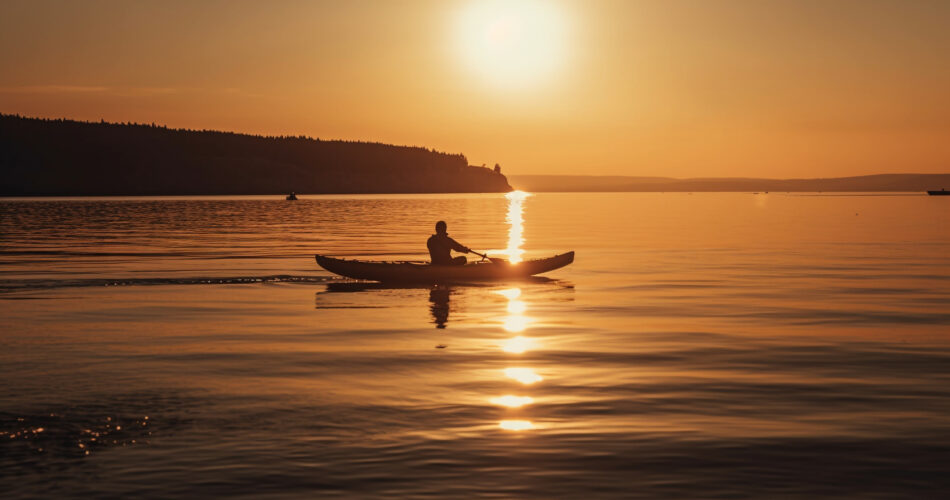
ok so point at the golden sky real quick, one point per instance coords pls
(757, 88)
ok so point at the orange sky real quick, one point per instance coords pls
(764, 88)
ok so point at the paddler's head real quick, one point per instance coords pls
(440, 227)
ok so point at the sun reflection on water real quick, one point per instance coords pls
(526, 376)
(515, 323)
(515, 219)
(512, 401)
(517, 307)
(510, 293)
(516, 425)
(517, 345)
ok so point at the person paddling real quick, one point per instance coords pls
(441, 246)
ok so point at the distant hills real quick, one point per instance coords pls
(40, 157)
(579, 183)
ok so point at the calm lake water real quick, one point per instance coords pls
(704, 345)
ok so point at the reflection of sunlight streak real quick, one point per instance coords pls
(512, 401)
(517, 345)
(516, 425)
(516, 219)
(516, 307)
(516, 321)
(526, 376)
(515, 324)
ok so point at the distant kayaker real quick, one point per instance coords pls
(441, 246)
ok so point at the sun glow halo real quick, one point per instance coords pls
(511, 43)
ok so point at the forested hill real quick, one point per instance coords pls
(40, 157)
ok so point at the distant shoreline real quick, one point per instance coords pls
(264, 196)
(908, 183)
(450, 195)
(59, 157)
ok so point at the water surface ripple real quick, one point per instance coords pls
(701, 346)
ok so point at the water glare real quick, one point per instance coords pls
(706, 347)
(517, 307)
(512, 401)
(515, 324)
(526, 376)
(515, 321)
(515, 219)
(516, 425)
(517, 345)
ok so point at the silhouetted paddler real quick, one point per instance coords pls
(441, 246)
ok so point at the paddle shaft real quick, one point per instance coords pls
(483, 256)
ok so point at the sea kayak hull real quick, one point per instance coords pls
(416, 272)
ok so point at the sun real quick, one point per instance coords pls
(511, 43)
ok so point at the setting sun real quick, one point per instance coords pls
(511, 44)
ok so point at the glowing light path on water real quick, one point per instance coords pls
(516, 321)
(526, 376)
(515, 219)
(516, 425)
(512, 401)
(517, 345)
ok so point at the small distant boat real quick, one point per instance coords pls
(292, 197)
(421, 272)
(942, 192)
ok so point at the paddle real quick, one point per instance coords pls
(483, 256)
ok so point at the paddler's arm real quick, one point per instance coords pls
(458, 247)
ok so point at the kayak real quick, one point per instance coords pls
(421, 272)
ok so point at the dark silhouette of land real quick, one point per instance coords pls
(596, 183)
(40, 157)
